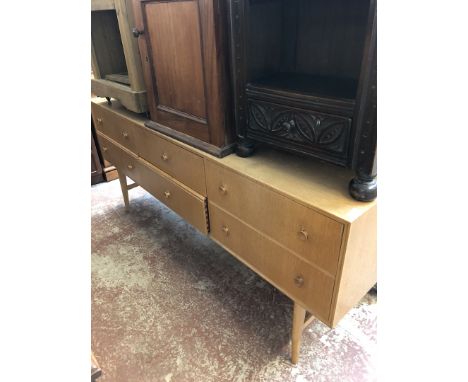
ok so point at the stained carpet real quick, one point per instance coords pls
(170, 305)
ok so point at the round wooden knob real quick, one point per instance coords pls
(125, 134)
(223, 189)
(105, 149)
(100, 120)
(299, 281)
(167, 194)
(303, 235)
(130, 167)
(164, 157)
(225, 230)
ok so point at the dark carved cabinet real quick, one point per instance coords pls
(184, 48)
(304, 80)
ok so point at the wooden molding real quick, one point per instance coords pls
(219, 152)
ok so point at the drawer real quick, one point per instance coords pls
(110, 152)
(114, 126)
(313, 236)
(308, 131)
(189, 205)
(297, 279)
(174, 160)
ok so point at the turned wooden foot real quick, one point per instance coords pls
(363, 189)
(245, 148)
(300, 322)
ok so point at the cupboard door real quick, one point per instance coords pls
(181, 47)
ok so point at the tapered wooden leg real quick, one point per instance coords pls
(298, 325)
(123, 186)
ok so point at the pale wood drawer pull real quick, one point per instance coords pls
(222, 189)
(299, 281)
(130, 167)
(303, 234)
(104, 149)
(167, 194)
(100, 121)
(164, 157)
(125, 134)
(225, 230)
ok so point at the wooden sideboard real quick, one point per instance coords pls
(290, 220)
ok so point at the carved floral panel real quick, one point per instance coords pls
(310, 128)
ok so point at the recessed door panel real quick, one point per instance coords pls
(176, 52)
(183, 46)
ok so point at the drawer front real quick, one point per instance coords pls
(190, 206)
(311, 235)
(110, 152)
(112, 125)
(299, 280)
(174, 160)
(318, 134)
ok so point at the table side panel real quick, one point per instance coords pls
(358, 265)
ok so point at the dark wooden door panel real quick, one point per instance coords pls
(176, 53)
(183, 45)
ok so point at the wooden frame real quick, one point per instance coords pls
(337, 128)
(133, 93)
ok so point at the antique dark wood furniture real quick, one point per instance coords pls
(101, 169)
(305, 79)
(183, 46)
(97, 172)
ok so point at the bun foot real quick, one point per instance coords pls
(245, 148)
(363, 190)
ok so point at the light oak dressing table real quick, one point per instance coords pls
(289, 219)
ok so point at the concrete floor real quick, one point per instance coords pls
(170, 305)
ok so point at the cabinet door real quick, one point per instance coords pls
(181, 44)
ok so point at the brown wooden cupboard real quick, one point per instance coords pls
(183, 46)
